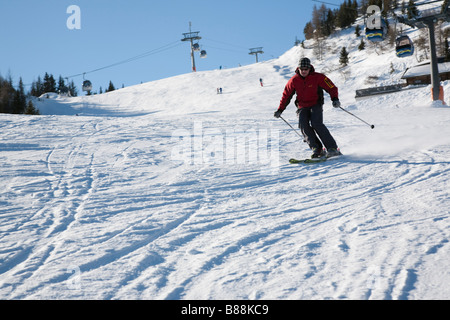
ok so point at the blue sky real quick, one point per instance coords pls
(35, 37)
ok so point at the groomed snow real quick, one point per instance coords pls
(168, 190)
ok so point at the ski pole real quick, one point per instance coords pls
(291, 127)
(370, 125)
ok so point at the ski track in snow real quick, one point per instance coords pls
(96, 206)
(108, 206)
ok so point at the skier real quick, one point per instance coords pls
(309, 86)
(261, 82)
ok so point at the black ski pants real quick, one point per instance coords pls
(316, 134)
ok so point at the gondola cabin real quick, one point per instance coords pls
(203, 54)
(404, 47)
(377, 34)
(87, 85)
(196, 47)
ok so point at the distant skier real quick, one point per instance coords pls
(309, 86)
(261, 82)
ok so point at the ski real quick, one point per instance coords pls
(314, 160)
(309, 160)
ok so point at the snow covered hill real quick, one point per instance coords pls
(168, 190)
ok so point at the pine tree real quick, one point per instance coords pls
(362, 45)
(378, 3)
(354, 10)
(20, 99)
(330, 22)
(358, 31)
(49, 83)
(403, 7)
(30, 109)
(343, 59)
(37, 87)
(62, 88)
(73, 92)
(110, 87)
(308, 31)
(12, 100)
(6, 95)
(52, 84)
(446, 50)
(46, 83)
(346, 15)
(412, 10)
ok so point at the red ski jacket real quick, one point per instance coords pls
(309, 89)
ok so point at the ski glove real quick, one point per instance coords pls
(277, 113)
(336, 103)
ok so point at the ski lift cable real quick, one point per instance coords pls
(228, 44)
(232, 45)
(407, 7)
(333, 4)
(226, 49)
(140, 56)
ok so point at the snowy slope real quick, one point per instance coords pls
(167, 190)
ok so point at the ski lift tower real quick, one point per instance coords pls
(255, 51)
(191, 36)
(427, 19)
